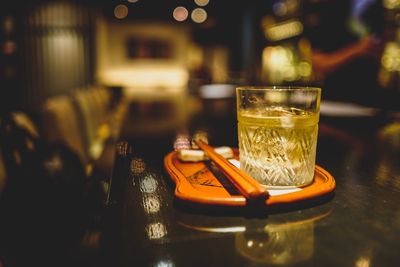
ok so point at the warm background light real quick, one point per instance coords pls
(283, 30)
(180, 13)
(201, 2)
(391, 4)
(199, 15)
(121, 11)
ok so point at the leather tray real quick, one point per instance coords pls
(202, 183)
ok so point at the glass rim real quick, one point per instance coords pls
(278, 88)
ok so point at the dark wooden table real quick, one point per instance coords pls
(358, 226)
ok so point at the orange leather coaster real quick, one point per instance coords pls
(195, 182)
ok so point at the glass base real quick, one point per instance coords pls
(282, 187)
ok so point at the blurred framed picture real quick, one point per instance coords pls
(148, 48)
(141, 55)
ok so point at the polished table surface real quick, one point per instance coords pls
(358, 225)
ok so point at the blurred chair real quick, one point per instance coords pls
(24, 121)
(88, 122)
(61, 124)
(18, 133)
(45, 183)
(90, 119)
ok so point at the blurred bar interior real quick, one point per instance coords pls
(154, 49)
(161, 53)
(73, 71)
